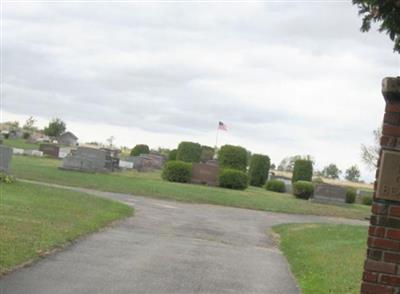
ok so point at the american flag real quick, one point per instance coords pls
(222, 126)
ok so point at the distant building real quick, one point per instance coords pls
(68, 139)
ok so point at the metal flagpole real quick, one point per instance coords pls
(216, 143)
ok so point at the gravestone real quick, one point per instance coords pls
(18, 151)
(50, 150)
(31, 152)
(329, 193)
(204, 173)
(125, 164)
(5, 158)
(90, 160)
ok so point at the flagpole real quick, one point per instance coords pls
(216, 143)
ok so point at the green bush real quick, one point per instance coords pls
(26, 135)
(318, 180)
(233, 157)
(367, 200)
(172, 154)
(302, 170)
(303, 189)
(6, 178)
(350, 195)
(140, 149)
(259, 169)
(207, 153)
(233, 179)
(189, 152)
(276, 186)
(177, 171)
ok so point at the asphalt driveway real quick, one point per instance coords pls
(169, 247)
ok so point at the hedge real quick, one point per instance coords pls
(366, 200)
(233, 179)
(259, 169)
(140, 149)
(303, 189)
(233, 157)
(207, 153)
(302, 170)
(189, 152)
(350, 195)
(172, 154)
(275, 186)
(177, 171)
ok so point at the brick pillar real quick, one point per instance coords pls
(382, 264)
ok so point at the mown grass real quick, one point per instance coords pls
(20, 143)
(150, 184)
(35, 219)
(325, 258)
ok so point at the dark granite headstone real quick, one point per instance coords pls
(329, 193)
(5, 158)
(50, 149)
(203, 173)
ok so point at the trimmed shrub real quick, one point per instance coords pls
(302, 170)
(350, 195)
(207, 153)
(172, 154)
(6, 178)
(177, 171)
(275, 186)
(303, 189)
(189, 152)
(26, 135)
(367, 200)
(259, 169)
(140, 149)
(233, 157)
(233, 179)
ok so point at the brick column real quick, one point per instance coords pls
(382, 264)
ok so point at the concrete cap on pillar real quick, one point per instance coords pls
(391, 89)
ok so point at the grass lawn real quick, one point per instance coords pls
(325, 258)
(20, 143)
(150, 184)
(35, 219)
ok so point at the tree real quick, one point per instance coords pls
(331, 171)
(385, 12)
(55, 128)
(110, 141)
(140, 149)
(287, 163)
(370, 154)
(29, 125)
(353, 174)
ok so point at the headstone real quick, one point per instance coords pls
(18, 151)
(64, 151)
(31, 152)
(5, 158)
(204, 173)
(90, 160)
(329, 193)
(125, 164)
(50, 150)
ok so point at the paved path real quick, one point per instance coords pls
(168, 247)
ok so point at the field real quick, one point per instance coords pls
(35, 219)
(325, 258)
(150, 184)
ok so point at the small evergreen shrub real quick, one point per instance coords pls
(172, 154)
(26, 135)
(177, 171)
(367, 200)
(350, 195)
(189, 152)
(140, 149)
(303, 189)
(275, 186)
(233, 157)
(233, 179)
(259, 169)
(302, 170)
(207, 153)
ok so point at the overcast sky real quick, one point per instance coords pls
(287, 78)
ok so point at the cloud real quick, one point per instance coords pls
(286, 78)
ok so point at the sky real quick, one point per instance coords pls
(286, 77)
